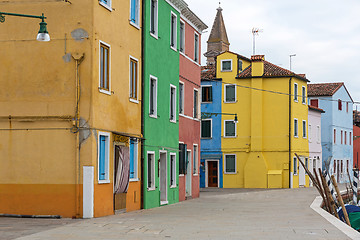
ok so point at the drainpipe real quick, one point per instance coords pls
(78, 60)
(290, 132)
(142, 107)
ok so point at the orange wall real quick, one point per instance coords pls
(38, 199)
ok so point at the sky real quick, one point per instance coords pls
(324, 35)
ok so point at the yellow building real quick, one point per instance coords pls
(70, 108)
(258, 150)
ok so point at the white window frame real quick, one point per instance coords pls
(137, 22)
(183, 40)
(296, 97)
(197, 104)
(173, 170)
(196, 53)
(205, 86)
(173, 120)
(152, 187)
(232, 154)
(175, 31)
(136, 161)
(296, 126)
(137, 80)
(195, 159)
(108, 92)
(107, 158)
(107, 6)
(231, 64)
(303, 93)
(318, 133)
(225, 93)
(207, 119)
(225, 129)
(304, 132)
(295, 167)
(156, 20)
(154, 115)
(183, 98)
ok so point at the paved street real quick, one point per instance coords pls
(218, 214)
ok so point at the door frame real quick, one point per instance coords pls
(188, 175)
(114, 169)
(207, 168)
(302, 175)
(166, 176)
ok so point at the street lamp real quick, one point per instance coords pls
(205, 115)
(43, 34)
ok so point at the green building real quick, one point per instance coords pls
(160, 102)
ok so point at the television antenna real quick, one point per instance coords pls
(255, 32)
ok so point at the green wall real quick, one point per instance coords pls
(160, 134)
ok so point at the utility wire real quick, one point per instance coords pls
(276, 92)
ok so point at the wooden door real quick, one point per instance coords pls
(212, 174)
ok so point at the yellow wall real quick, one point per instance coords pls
(261, 144)
(39, 156)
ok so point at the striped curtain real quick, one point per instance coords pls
(122, 169)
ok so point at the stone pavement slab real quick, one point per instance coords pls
(218, 214)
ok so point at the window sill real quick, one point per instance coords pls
(295, 174)
(134, 180)
(206, 138)
(173, 48)
(296, 100)
(181, 114)
(153, 116)
(134, 24)
(226, 70)
(230, 173)
(173, 121)
(296, 136)
(133, 100)
(106, 6)
(151, 189)
(182, 53)
(103, 181)
(154, 35)
(230, 102)
(196, 174)
(230, 136)
(107, 92)
(173, 186)
(181, 175)
(207, 102)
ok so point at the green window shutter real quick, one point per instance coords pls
(182, 158)
(230, 93)
(210, 94)
(229, 128)
(205, 128)
(230, 163)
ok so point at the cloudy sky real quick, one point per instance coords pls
(324, 35)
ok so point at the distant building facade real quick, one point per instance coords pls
(337, 126)
(314, 132)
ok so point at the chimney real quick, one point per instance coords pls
(257, 65)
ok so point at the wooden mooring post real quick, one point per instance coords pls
(340, 200)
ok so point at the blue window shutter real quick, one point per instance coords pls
(132, 155)
(102, 158)
(133, 11)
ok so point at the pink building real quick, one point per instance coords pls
(191, 28)
(314, 132)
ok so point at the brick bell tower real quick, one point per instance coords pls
(218, 41)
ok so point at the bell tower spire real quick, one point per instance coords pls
(218, 41)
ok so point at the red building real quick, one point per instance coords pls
(191, 28)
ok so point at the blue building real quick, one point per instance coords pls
(211, 165)
(336, 127)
